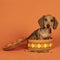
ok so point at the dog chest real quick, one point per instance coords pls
(44, 33)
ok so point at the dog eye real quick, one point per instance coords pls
(52, 20)
(45, 19)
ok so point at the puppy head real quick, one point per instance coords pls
(48, 21)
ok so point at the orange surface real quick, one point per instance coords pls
(26, 55)
(18, 19)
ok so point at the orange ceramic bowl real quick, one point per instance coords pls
(40, 45)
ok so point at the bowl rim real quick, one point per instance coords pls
(41, 41)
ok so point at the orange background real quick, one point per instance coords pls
(18, 19)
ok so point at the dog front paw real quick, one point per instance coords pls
(50, 37)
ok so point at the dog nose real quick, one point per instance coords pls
(48, 25)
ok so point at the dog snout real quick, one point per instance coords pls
(48, 25)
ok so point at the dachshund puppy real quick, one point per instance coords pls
(46, 23)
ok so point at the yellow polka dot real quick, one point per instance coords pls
(32, 45)
(50, 45)
(39, 45)
(45, 45)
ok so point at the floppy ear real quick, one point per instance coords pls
(41, 22)
(55, 23)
